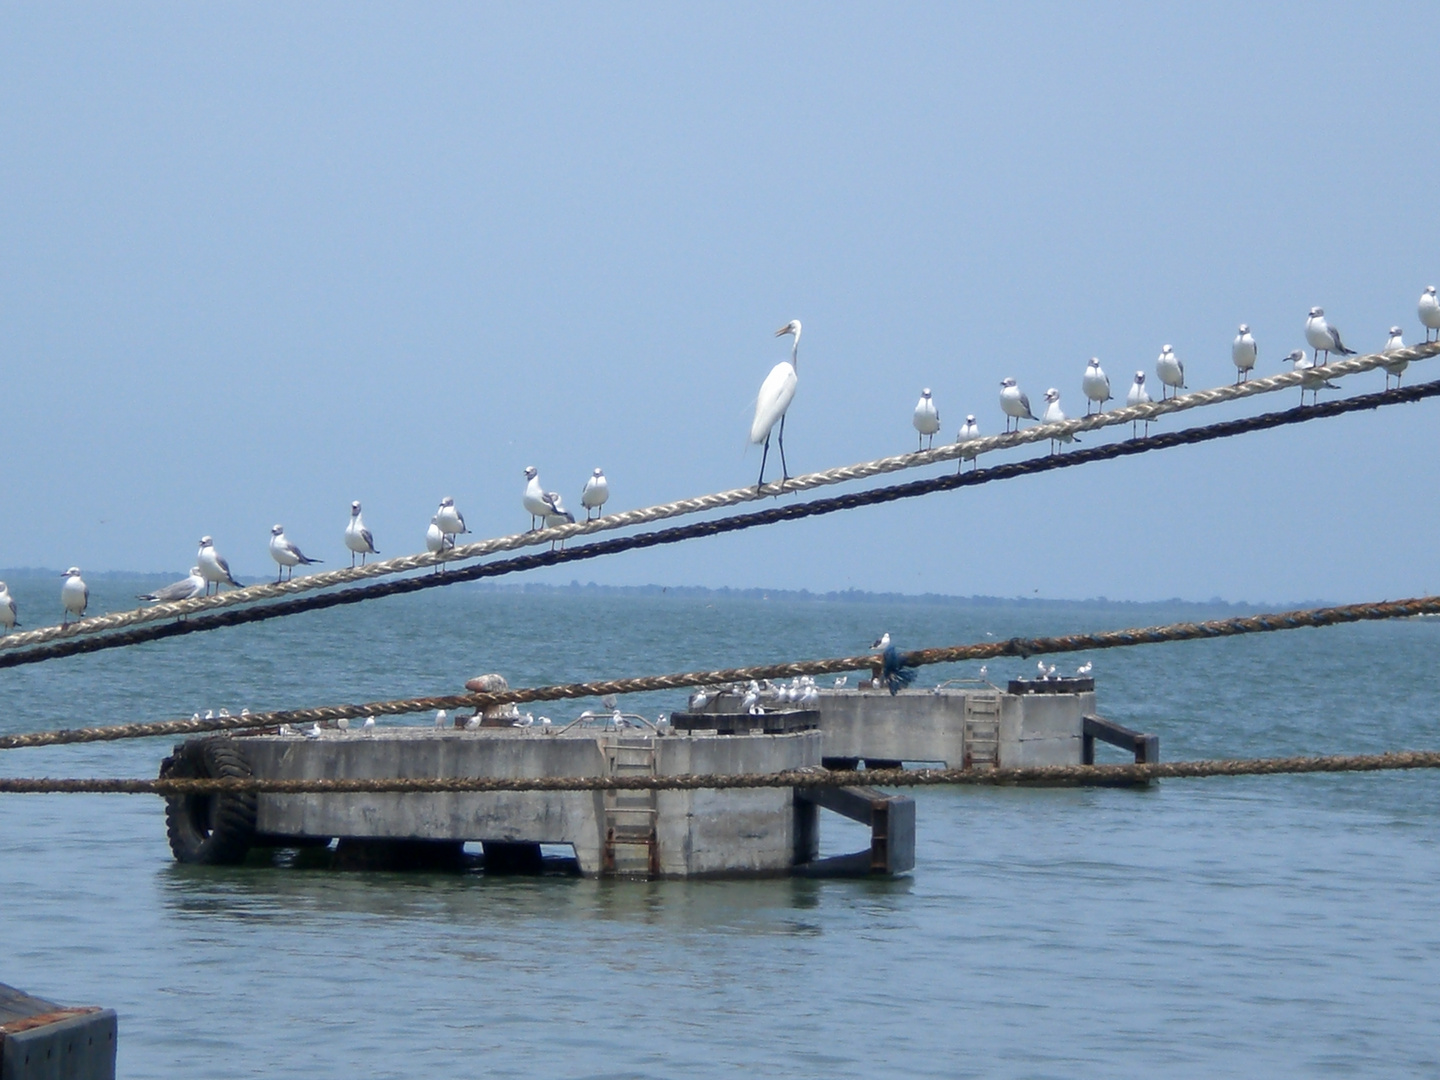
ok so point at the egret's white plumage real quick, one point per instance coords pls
(213, 567)
(1429, 311)
(1243, 353)
(286, 553)
(1096, 385)
(450, 520)
(184, 589)
(597, 491)
(776, 393)
(8, 610)
(1014, 403)
(357, 536)
(1170, 370)
(926, 418)
(1323, 337)
(74, 594)
(1397, 368)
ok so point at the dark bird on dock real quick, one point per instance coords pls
(894, 676)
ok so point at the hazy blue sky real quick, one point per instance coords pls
(262, 260)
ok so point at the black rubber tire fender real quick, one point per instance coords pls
(212, 830)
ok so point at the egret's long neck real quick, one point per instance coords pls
(795, 351)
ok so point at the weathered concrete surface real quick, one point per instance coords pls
(695, 832)
(925, 725)
(40, 1040)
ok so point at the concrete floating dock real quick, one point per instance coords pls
(40, 1040)
(660, 833)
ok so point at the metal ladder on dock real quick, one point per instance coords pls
(982, 729)
(630, 848)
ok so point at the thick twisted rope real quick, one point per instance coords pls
(719, 500)
(796, 778)
(716, 527)
(987, 650)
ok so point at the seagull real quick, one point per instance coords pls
(1323, 337)
(213, 567)
(285, 553)
(369, 724)
(1430, 312)
(1242, 352)
(751, 701)
(699, 700)
(1096, 385)
(441, 717)
(343, 724)
(358, 538)
(472, 722)
(1394, 367)
(534, 497)
(7, 609)
(1170, 370)
(968, 430)
(1040, 664)
(185, 589)
(985, 672)
(894, 675)
(1014, 403)
(771, 404)
(1085, 668)
(436, 541)
(840, 681)
(556, 515)
(1308, 379)
(1138, 396)
(314, 732)
(1055, 415)
(209, 714)
(926, 419)
(597, 490)
(449, 519)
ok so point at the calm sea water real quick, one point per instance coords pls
(1280, 927)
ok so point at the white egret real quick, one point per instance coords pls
(74, 594)
(1170, 370)
(926, 419)
(597, 491)
(1096, 385)
(1014, 403)
(1243, 352)
(358, 538)
(776, 393)
(213, 567)
(286, 554)
(1323, 337)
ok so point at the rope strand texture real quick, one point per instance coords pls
(799, 778)
(987, 650)
(716, 527)
(720, 500)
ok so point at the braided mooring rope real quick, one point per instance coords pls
(716, 527)
(987, 650)
(719, 500)
(798, 778)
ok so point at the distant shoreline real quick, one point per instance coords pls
(845, 596)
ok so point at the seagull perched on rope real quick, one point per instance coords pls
(358, 538)
(74, 594)
(534, 497)
(1171, 371)
(286, 554)
(968, 430)
(1323, 337)
(773, 401)
(1055, 415)
(185, 589)
(213, 567)
(1138, 395)
(556, 515)
(449, 519)
(436, 542)
(1096, 385)
(1014, 403)
(8, 610)
(926, 419)
(597, 491)
(1309, 380)
(1243, 353)
(894, 675)
(1429, 311)
(1394, 367)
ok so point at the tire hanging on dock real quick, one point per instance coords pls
(213, 830)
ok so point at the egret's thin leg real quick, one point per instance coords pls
(763, 455)
(784, 469)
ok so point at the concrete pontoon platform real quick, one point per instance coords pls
(661, 833)
(40, 1040)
